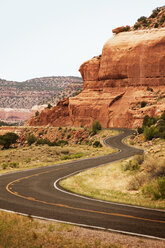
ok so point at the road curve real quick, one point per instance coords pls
(37, 193)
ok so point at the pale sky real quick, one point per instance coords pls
(54, 37)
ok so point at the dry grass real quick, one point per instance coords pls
(43, 155)
(120, 182)
(22, 232)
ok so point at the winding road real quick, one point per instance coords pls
(37, 193)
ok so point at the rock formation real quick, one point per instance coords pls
(131, 70)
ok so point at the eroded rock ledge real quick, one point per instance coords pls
(130, 70)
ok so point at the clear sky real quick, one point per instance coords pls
(54, 37)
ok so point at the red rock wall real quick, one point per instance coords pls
(115, 83)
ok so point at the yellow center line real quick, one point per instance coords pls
(8, 188)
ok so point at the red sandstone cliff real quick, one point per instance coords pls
(130, 70)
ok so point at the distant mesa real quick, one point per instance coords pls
(23, 99)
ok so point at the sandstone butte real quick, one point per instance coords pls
(130, 70)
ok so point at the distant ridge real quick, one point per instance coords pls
(26, 94)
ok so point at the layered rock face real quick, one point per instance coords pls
(130, 70)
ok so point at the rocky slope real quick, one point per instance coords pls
(120, 87)
(20, 100)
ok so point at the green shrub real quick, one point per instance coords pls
(131, 165)
(68, 136)
(96, 126)
(142, 19)
(140, 130)
(31, 139)
(49, 106)
(139, 159)
(149, 121)
(156, 25)
(4, 166)
(27, 160)
(143, 104)
(37, 113)
(14, 165)
(8, 139)
(72, 156)
(151, 132)
(97, 144)
(126, 28)
(155, 12)
(149, 89)
(155, 189)
(136, 26)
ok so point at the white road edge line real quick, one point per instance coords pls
(78, 224)
(84, 225)
(98, 200)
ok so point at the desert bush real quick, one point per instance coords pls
(156, 25)
(37, 113)
(49, 106)
(27, 160)
(97, 144)
(155, 189)
(150, 129)
(4, 166)
(155, 12)
(43, 141)
(96, 126)
(126, 28)
(131, 165)
(151, 132)
(140, 130)
(31, 139)
(11, 165)
(143, 104)
(154, 168)
(150, 165)
(149, 89)
(149, 121)
(136, 26)
(14, 165)
(8, 139)
(142, 19)
(68, 136)
(72, 156)
(139, 159)
(136, 182)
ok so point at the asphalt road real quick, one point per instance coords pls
(37, 193)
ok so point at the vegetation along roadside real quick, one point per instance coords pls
(139, 180)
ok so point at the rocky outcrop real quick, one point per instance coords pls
(130, 70)
(55, 116)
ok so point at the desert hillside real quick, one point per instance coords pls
(20, 100)
(37, 91)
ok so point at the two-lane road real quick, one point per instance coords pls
(37, 193)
